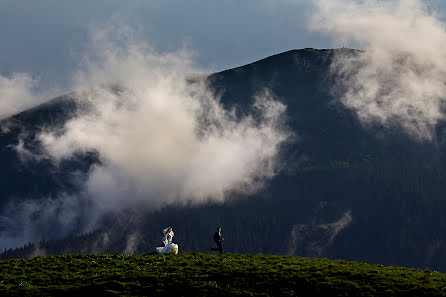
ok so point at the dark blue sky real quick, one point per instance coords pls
(46, 37)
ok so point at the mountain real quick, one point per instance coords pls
(346, 190)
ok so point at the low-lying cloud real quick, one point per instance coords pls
(163, 138)
(160, 132)
(312, 240)
(30, 220)
(399, 80)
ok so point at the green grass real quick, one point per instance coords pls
(210, 275)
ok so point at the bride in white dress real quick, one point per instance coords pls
(169, 246)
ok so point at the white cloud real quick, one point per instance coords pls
(400, 78)
(16, 94)
(162, 136)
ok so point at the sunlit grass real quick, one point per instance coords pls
(210, 275)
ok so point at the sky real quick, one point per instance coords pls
(46, 38)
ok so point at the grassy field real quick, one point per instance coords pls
(210, 275)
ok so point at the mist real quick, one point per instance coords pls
(44, 218)
(398, 81)
(18, 92)
(312, 240)
(162, 137)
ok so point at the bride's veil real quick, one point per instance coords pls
(165, 231)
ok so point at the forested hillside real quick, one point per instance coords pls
(345, 190)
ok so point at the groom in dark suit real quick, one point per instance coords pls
(218, 239)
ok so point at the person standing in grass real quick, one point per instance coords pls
(218, 239)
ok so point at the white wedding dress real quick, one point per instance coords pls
(169, 246)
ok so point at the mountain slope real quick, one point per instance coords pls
(346, 190)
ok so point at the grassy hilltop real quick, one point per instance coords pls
(210, 275)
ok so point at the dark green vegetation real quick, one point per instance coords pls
(211, 275)
(392, 186)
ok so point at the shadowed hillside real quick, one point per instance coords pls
(364, 193)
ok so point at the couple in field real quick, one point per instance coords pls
(172, 248)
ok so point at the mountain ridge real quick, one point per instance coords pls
(390, 184)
